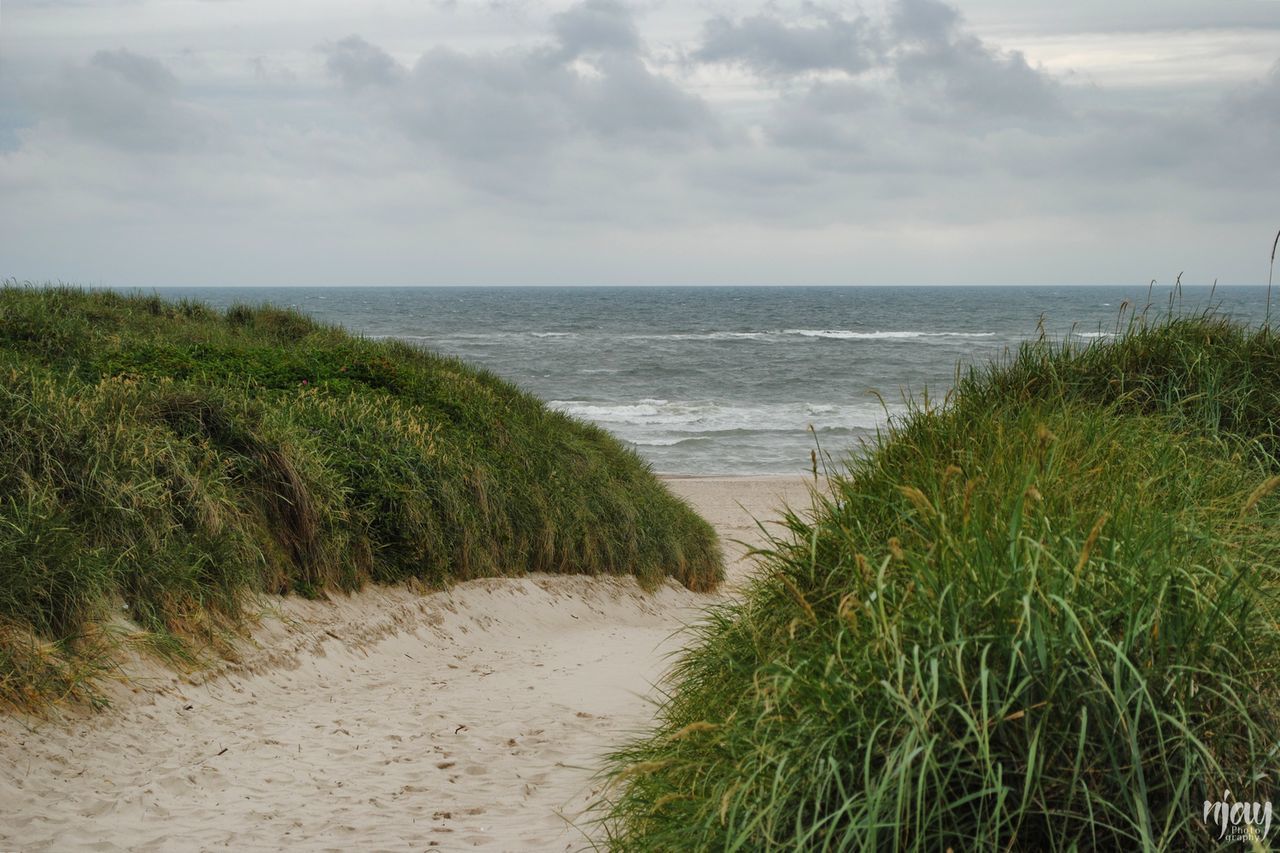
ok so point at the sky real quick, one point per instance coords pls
(467, 142)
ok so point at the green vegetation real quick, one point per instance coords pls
(1041, 616)
(160, 460)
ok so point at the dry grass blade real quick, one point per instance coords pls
(1089, 542)
(1265, 488)
(1270, 273)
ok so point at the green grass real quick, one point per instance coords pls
(1041, 616)
(161, 460)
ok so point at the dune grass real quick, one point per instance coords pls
(1041, 616)
(159, 460)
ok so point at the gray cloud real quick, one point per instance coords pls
(269, 72)
(142, 72)
(483, 107)
(1259, 103)
(769, 45)
(790, 143)
(521, 104)
(126, 101)
(949, 72)
(835, 116)
(358, 64)
(603, 26)
(942, 116)
(928, 21)
(942, 71)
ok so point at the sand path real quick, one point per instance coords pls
(471, 719)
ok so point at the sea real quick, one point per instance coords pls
(735, 380)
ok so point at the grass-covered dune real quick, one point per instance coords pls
(1041, 616)
(160, 460)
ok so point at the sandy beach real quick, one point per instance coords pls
(468, 719)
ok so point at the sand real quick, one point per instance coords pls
(469, 719)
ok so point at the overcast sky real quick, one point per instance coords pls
(158, 142)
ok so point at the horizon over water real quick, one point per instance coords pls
(728, 380)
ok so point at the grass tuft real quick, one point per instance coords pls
(1035, 618)
(161, 460)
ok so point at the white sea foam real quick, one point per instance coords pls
(665, 442)
(782, 334)
(665, 422)
(716, 335)
(706, 336)
(850, 335)
(695, 336)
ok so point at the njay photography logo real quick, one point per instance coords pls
(1236, 820)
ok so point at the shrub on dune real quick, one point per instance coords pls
(1042, 616)
(163, 460)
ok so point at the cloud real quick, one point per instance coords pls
(771, 46)
(142, 72)
(942, 72)
(358, 64)
(522, 104)
(590, 81)
(269, 72)
(514, 140)
(1259, 102)
(596, 26)
(928, 21)
(483, 107)
(124, 100)
(946, 71)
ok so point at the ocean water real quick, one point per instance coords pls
(730, 380)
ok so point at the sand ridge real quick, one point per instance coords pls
(468, 719)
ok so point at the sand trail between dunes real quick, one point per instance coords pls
(470, 719)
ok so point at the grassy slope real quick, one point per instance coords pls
(166, 458)
(1042, 616)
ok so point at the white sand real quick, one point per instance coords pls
(385, 721)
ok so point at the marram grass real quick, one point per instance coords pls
(161, 460)
(1042, 616)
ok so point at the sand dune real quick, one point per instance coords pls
(469, 719)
